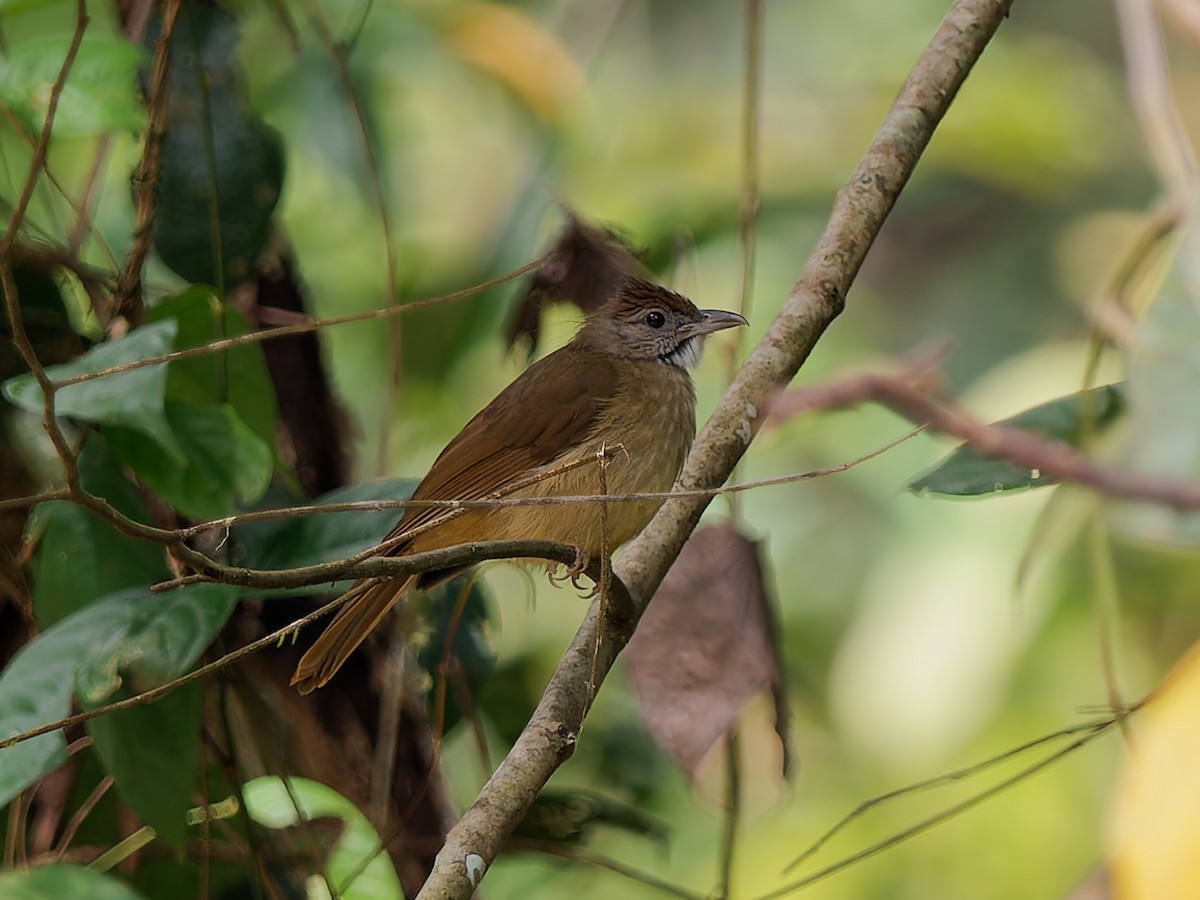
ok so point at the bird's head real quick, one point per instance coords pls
(645, 321)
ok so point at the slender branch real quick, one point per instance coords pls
(732, 815)
(751, 194)
(1094, 731)
(580, 855)
(128, 295)
(8, 281)
(817, 298)
(337, 51)
(462, 555)
(947, 778)
(305, 327)
(1054, 460)
(376, 567)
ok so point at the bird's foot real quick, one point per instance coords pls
(574, 571)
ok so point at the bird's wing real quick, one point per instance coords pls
(550, 409)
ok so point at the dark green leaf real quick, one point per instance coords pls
(463, 620)
(132, 399)
(224, 462)
(565, 816)
(62, 882)
(966, 473)
(213, 138)
(100, 93)
(315, 539)
(152, 753)
(238, 375)
(80, 557)
(155, 636)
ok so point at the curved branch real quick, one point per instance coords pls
(617, 596)
(817, 298)
(375, 566)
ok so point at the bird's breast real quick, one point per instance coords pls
(637, 445)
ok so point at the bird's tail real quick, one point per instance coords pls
(366, 603)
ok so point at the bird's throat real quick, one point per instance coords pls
(686, 355)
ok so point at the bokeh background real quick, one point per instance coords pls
(920, 635)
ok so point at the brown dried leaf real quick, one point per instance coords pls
(585, 268)
(705, 646)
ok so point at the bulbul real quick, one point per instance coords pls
(620, 387)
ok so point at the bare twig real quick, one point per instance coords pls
(337, 53)
(1090, 732)
(750, 192)
(814, 302)
(452, 557)
(81, 814)
(305, 327)
(733, 809)
(371, 566)
(1054, 460)
(579, 855)
(7, 280)
(1150, 90)
(128, 295)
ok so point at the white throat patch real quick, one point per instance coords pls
(687, 354)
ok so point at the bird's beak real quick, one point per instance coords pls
(714, 320)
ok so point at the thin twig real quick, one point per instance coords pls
(7, 280)
(77, 819)
(306, 327)
(949, 812)
(337, 54)
(733, 808)
(1054, 460)
(128, 295)
(942, 780)
(374, 562)
(455, 556)
(579, 855)
(750, 192)
(1153, 99)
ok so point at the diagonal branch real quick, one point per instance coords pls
(817, 298)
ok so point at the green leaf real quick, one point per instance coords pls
(238, 375)
(468, 629)
(133, 399)
(80, 557)
(100, 93)
(152, 752)
(965, 473)
(213, 139)
(155, 637)
(356, 866)
(1164, 381)
(223, 461)
(313, 539)
(62, 882)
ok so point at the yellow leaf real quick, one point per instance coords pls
(1154, 835)
(516, 51)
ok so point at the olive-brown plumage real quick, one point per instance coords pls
(622, 381)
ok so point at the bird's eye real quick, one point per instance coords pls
(655, 319)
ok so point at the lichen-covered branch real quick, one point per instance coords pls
(817, 298)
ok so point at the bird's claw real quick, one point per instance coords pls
(574, 570)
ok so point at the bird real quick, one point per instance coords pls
(620, 388)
